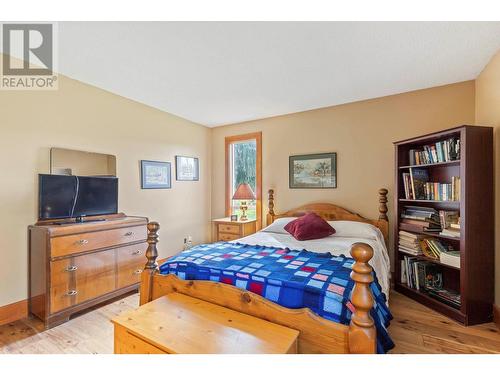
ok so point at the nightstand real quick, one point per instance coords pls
(227, 230)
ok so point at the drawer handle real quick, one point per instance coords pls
(82, 242)
(72, 293)
(137, 272)
(71, 268)
(128, 234)
(137, 252)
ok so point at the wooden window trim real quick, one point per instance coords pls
(258, 177)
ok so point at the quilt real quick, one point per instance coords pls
(290, 278)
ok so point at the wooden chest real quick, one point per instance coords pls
(78, 265)
(179, 324)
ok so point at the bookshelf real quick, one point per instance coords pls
(474, 280)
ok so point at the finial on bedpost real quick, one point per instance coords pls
(151, 265)
(382, 208)
(152, 251)
(362, 332)
(270, 204)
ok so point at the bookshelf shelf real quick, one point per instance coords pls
(427, 259)
(431, 302)
(453, 203)
(445, 163)
(474, 280)
(431, 234)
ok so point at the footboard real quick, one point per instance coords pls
(317, 334)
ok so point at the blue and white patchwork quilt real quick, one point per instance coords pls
(290, 278)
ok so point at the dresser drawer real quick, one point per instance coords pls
(229, 228)
(228, 237)
(78, 279)
(131, 261)
(76, 243)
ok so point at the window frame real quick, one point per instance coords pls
(257, 136)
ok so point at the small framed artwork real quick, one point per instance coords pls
(156, 174)
(313, 171)
(234, 217)
(187, 168)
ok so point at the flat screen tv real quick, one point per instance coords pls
(62, 197)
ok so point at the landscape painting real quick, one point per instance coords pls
(155, 175)
(314, 171)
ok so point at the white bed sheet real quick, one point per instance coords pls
(336, 245)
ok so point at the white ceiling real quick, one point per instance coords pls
(216, 73)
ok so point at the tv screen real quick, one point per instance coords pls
(63, 197)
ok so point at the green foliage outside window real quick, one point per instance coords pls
(244, 170)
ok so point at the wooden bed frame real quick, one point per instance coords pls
(317, 334)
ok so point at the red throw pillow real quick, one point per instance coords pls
(309, 227)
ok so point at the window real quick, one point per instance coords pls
(243, 165)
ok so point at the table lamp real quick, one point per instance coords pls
(244, 192)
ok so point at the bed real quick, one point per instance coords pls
(191, 273)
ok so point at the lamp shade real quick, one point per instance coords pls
(244, 191)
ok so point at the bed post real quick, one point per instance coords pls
(270, 205)
(362, 332)
(382, 208)
(383, 220)
(151, 266)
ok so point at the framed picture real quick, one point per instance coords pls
(156, 175)
(314, 171)
(234, 217)
(187, 168)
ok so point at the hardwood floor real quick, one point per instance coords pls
(415, 329)
(87, 333)
(418, 329)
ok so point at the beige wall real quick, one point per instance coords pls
(488, 113)
(82, 117)
(361, 133)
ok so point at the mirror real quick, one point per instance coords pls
(81, 163)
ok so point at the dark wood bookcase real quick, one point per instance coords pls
(474, 280)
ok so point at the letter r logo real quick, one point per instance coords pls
(31, 43)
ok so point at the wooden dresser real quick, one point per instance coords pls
(75, 266)
(227, 230)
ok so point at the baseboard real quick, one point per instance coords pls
(496, 315)
(14, 311)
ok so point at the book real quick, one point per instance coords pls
(450, 232)
(420, 274)
(408, 243)
(446, 218)
(451, 258)
(446, 296)
(403, 272)
(438, 152)
(402, 233)
(415, 220)
(419, 177)
(407, 186)
(410, 227)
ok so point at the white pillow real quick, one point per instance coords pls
(344, 228)
(278, 225)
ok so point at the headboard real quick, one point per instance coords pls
(330, 211)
